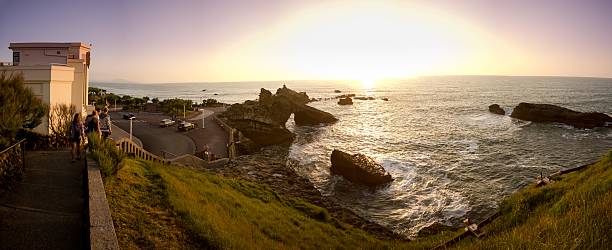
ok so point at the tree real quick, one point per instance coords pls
(175, 106)
(19, 108)
(155, 100)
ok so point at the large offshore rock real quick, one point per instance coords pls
(496, 109)
(359, 168)
(262, 122)
(553, 113)
(306, 115)
(345, 101)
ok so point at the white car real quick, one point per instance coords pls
(185, 126)
(166, 123)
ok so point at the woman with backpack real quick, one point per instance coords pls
(77, 133)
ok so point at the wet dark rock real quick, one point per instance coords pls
(385, 99)
(344, 96)
(365, 98)
(262, 122)
(496, 109)
(345, 101)
(553, 113)
(359, 168)
(337, 91)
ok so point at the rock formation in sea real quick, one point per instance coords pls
(553, 113)
(344, 96)
(365, 98)
(262, 122)
(345, 101)
(496, 109)
(359, 168)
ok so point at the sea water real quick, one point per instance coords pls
(450, 158)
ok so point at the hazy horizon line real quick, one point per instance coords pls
(351, 80)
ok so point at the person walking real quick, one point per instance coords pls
(93, 125)
(105, 124)
(77, 134)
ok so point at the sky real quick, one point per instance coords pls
(153, 41)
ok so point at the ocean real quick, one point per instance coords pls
(449, 156)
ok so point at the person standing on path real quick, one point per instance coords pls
(105, 124)
(93, 125)
(77, 133)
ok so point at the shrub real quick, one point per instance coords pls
(106, 154)
(60, 119)
(19, 108)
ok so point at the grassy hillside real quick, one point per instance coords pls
(172, 207)
(575, 212)
(169, 207)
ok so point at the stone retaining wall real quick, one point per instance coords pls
(101, 230)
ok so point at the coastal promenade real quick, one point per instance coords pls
(155, 139)
(45, 209)
(172, 142)
(209, 133)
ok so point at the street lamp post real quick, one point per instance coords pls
(183, 111)
(131, 119)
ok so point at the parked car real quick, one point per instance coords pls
(129, 116)
(185, 126)
(166, 123)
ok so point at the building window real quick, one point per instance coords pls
(16, 58)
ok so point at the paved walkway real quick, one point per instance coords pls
(155, 139)
(45, 210)
(209, 134)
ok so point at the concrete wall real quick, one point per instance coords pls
(80, 84)
(51, 83)
(42, 56)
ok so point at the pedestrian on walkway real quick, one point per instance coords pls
(77, 134)
(93, 124)
(105, 124)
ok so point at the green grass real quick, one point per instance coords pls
(160, 206)
(217, 212)
(141, 215)
(575, 212)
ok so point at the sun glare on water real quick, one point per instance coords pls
(368, 83)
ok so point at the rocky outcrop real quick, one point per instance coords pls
(344, 96)
(359, 168)
(434, 228)
(262, 122)
(496, 109)
(345, 101)
(552, 113)
(365, 98)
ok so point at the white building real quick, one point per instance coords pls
(58, 73)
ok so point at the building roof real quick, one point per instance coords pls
(49, 45)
